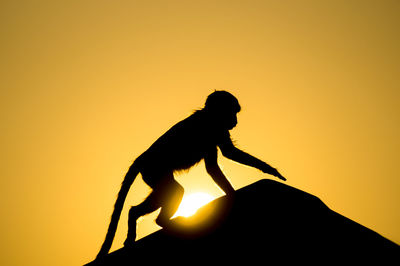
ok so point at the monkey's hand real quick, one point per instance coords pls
(266, 168)
(278, 175)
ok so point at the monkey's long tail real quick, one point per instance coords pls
(119, 204)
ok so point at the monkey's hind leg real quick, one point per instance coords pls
(132, 219)
(167, 194)
(149, 205)
(171, 199)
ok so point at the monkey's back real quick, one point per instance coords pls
(183, 145)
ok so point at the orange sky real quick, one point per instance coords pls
(86, 86)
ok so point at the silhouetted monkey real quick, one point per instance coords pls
(182, 146)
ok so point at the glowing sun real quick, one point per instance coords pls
(191, 203)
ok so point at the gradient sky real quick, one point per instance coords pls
(86, 86)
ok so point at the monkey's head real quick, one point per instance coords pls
(223, 107)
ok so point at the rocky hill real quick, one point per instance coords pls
(266, 222)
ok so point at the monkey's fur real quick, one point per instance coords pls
(182, 146)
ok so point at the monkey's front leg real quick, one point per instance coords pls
(219, 178)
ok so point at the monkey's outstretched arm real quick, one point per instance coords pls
(235, 154)
(215, 172)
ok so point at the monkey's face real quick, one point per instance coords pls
(228, 120)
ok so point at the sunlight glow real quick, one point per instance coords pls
(191, 203)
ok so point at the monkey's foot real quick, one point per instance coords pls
(130, 239)
(163, 222)
(129, 243)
